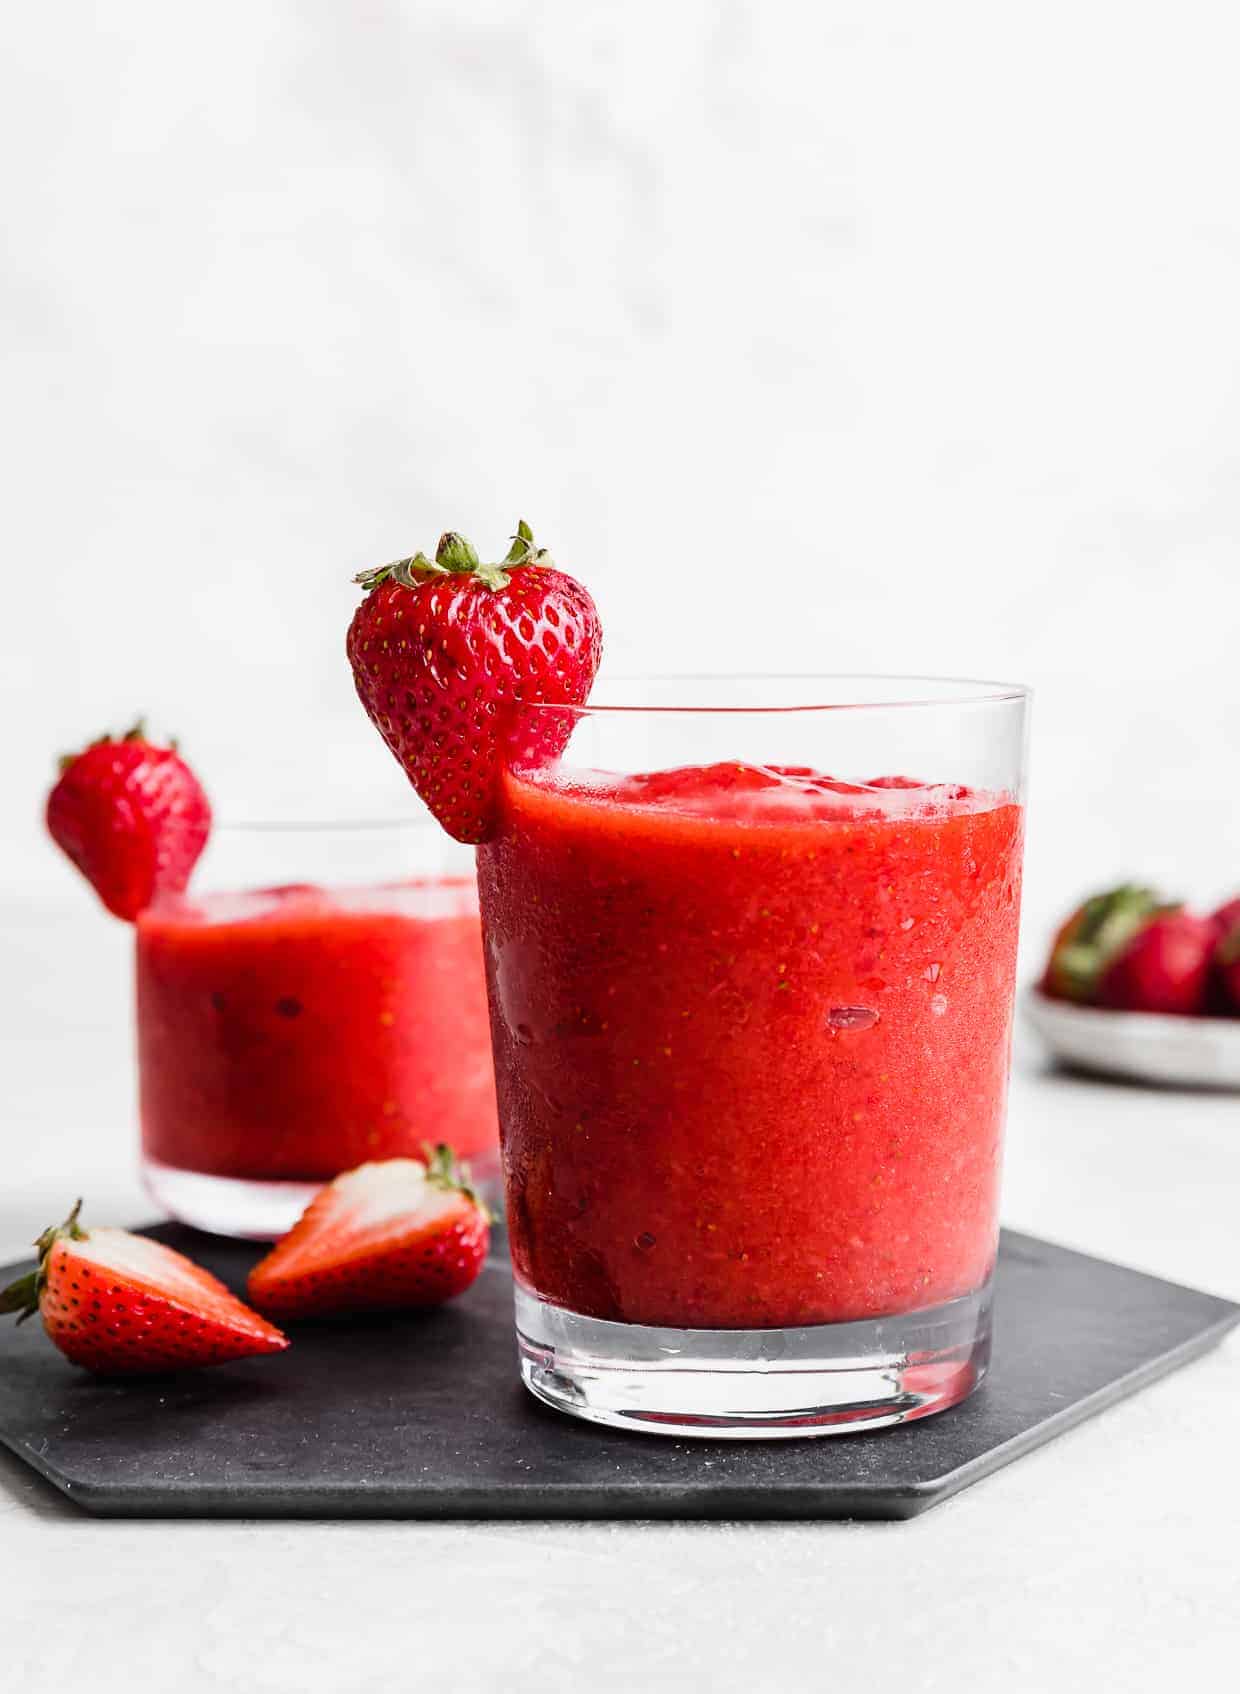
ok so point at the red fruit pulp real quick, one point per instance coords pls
(751, 1032)
(298, 1032)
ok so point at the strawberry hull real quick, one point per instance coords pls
(751, 1039)
(296, 1033)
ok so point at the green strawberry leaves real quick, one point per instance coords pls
(22, 1296)
(455, 556)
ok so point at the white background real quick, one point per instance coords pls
(823, 336)
(814, 337)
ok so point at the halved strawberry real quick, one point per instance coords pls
(123, 1305)
(133, 818)
(446, 652)
(385, 1236)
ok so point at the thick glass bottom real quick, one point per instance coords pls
(755, 1384)
(259, 1210)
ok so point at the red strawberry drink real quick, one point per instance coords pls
(751, 1028)
(751, 1037)
(287, 1033)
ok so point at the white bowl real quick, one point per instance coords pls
(1147, 1046)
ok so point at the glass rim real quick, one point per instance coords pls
(964, 691)
(906, 693)
(318, 826)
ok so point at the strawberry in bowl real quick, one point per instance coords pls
(1226, 918)
(1226, 924)
(1165, 967)
(445, 653)
(1127, 950)
(1141, 988)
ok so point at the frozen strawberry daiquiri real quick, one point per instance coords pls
(751, 1030)
(752, 1038)
(289, 1034)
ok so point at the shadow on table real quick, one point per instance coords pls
(1064, 1071)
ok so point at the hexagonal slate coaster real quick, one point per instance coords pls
(422, 1416)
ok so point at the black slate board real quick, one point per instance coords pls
(423, 1416)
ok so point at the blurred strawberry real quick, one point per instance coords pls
(1092, 937)
(1227, 961)
(1226, 918)
(1225, 987)
(1165, 967)
(133, 818)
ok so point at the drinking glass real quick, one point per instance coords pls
(314, 1002)
(750, 949)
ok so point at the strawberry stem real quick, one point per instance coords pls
(22, 1296)
(454, 553)
(444, 1170)
(136, 732)
(455, 556)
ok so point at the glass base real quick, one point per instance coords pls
(755, 1384)
(262, 1211)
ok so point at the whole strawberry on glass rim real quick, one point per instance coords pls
(123, 1305)
(133, 818)
(448, 652)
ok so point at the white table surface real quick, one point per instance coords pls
(1104, 1559)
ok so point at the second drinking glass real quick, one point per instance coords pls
(314, 1003)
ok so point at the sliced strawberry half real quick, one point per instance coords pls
(393, 1234)
(124, 1305)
